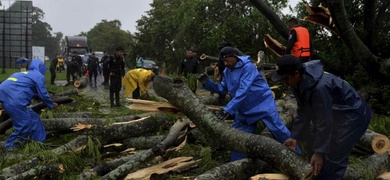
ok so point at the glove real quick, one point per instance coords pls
(222, 114)
(203, 78)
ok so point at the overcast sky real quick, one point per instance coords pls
(74, 16)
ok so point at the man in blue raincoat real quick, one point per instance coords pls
(16, 94)
(251, 97)
(331, 115)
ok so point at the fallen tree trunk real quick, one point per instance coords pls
(174, 133)
(65, 124)
(369, 168)
(68, 92)
(24, 166)
(142, 142)
(374, 142)
(109, 166)
(267, 149)
(240, 169)
(130, 165)
(41, 170)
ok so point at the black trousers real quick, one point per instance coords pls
(53, 76)
(115, 87)
(136, 94)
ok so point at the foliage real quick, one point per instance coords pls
(42, 35)
(107, 35)
(171, 27)
(381, 125)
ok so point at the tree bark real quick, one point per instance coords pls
(240, 169)
(366, 142)
(272, 17)
(68, 92)
(110, 166)
(37, 171)
(267, 149)
(374, 66)
(27, 164)
(120, 131)
(372, 166)
(174, 133)
(65, 124)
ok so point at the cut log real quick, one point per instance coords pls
(383, 176)
(24, 166)
(175, 164)
(267, 149)
(82, 83)
(240, 169)
(115, 166)
(374, 142)
(380, 144)
(270, 176)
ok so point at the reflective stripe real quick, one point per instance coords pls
(12, 79)
(138, 62)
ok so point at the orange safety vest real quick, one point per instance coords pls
(301, 48)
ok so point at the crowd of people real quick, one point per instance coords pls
(331, 115)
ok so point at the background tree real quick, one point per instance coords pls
(171, 27)
(42, 35)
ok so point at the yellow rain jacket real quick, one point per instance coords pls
(60, 60)
(136, 76)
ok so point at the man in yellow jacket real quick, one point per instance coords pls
(137, 81)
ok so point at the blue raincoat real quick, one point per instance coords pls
(16, 94)
(251, 101)
(338, 113)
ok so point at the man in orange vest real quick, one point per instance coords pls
(299, 44)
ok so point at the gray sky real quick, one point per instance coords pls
(74, 16)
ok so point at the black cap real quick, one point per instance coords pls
(285, 65)
(228, 52)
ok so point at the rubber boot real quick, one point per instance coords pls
(117, 102)
(112, 99)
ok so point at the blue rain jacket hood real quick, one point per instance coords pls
(251, 98)
(328, 102)
(21, 87)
